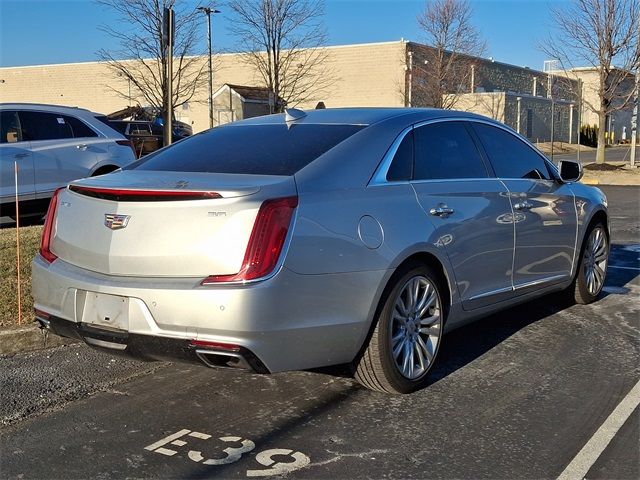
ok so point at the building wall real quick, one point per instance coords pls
(362, 75)
(489, 104)
(620, 120)
(537, 111)
(491, 76)
(534, 113)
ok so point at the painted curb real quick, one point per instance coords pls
(29, 338)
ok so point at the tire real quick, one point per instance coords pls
(592, 269)
(397, 331)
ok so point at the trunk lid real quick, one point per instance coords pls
(162, 224)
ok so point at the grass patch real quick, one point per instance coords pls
(29, 245)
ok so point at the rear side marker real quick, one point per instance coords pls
(128, 195)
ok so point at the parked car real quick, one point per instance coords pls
(52, 145)
(147, 136)
(304, 240)
(144, 137)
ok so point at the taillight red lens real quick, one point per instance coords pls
(265, 243)
(45, 244)
(127, 195)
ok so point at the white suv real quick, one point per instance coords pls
(52, 145)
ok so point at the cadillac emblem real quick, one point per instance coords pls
(115, 221)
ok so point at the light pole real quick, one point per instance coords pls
(208, 11)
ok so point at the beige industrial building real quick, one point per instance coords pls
(373, 74)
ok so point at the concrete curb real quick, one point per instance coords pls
(29, 338)
(590, 181)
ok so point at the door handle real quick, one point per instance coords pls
(441, 211)
(81, 147)
(523, 206)
(20, 155)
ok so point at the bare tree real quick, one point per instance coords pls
(602, 34)
(443, 71)
(282, 40)
(141, 58)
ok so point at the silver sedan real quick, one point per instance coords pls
(316, 238)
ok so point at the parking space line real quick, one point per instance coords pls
(584, 460)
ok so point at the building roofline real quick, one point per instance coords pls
(225, 54)
(487, 60)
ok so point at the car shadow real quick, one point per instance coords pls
(467, 343)
(462, 347)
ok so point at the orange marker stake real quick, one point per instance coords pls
(15, 172)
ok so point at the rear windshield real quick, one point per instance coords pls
(249, 149)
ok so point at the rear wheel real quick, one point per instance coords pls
(407, 336)
(592, 269)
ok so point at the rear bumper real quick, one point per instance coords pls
(147, 347)
(289, 322)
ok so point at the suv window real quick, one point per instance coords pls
(44, 126)
(78, 128)
(402, 164)
(9, 127)
(510, 156)
(273, 149)
(446, 150)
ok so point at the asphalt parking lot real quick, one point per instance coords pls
(516, 395)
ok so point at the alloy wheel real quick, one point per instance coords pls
(416, 327)
(595, 261)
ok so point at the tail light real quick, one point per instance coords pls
(45, 244)
(126, 195)
(128, 143)
(265, 243)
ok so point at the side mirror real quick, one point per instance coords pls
(570, 171)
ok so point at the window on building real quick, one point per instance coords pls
(509, 155)
(445, 150)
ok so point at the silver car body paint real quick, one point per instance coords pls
(351, 230)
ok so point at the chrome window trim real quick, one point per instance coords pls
(379, 178)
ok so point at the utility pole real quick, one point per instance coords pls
(208, 11)
(634, 117)
(169, 26)
(579, 114)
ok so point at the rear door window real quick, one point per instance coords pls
(273, 149)
(44, 126)
(445, 150)
(78, 128)
(510, 156)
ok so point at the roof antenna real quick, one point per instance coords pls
(293, 114)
